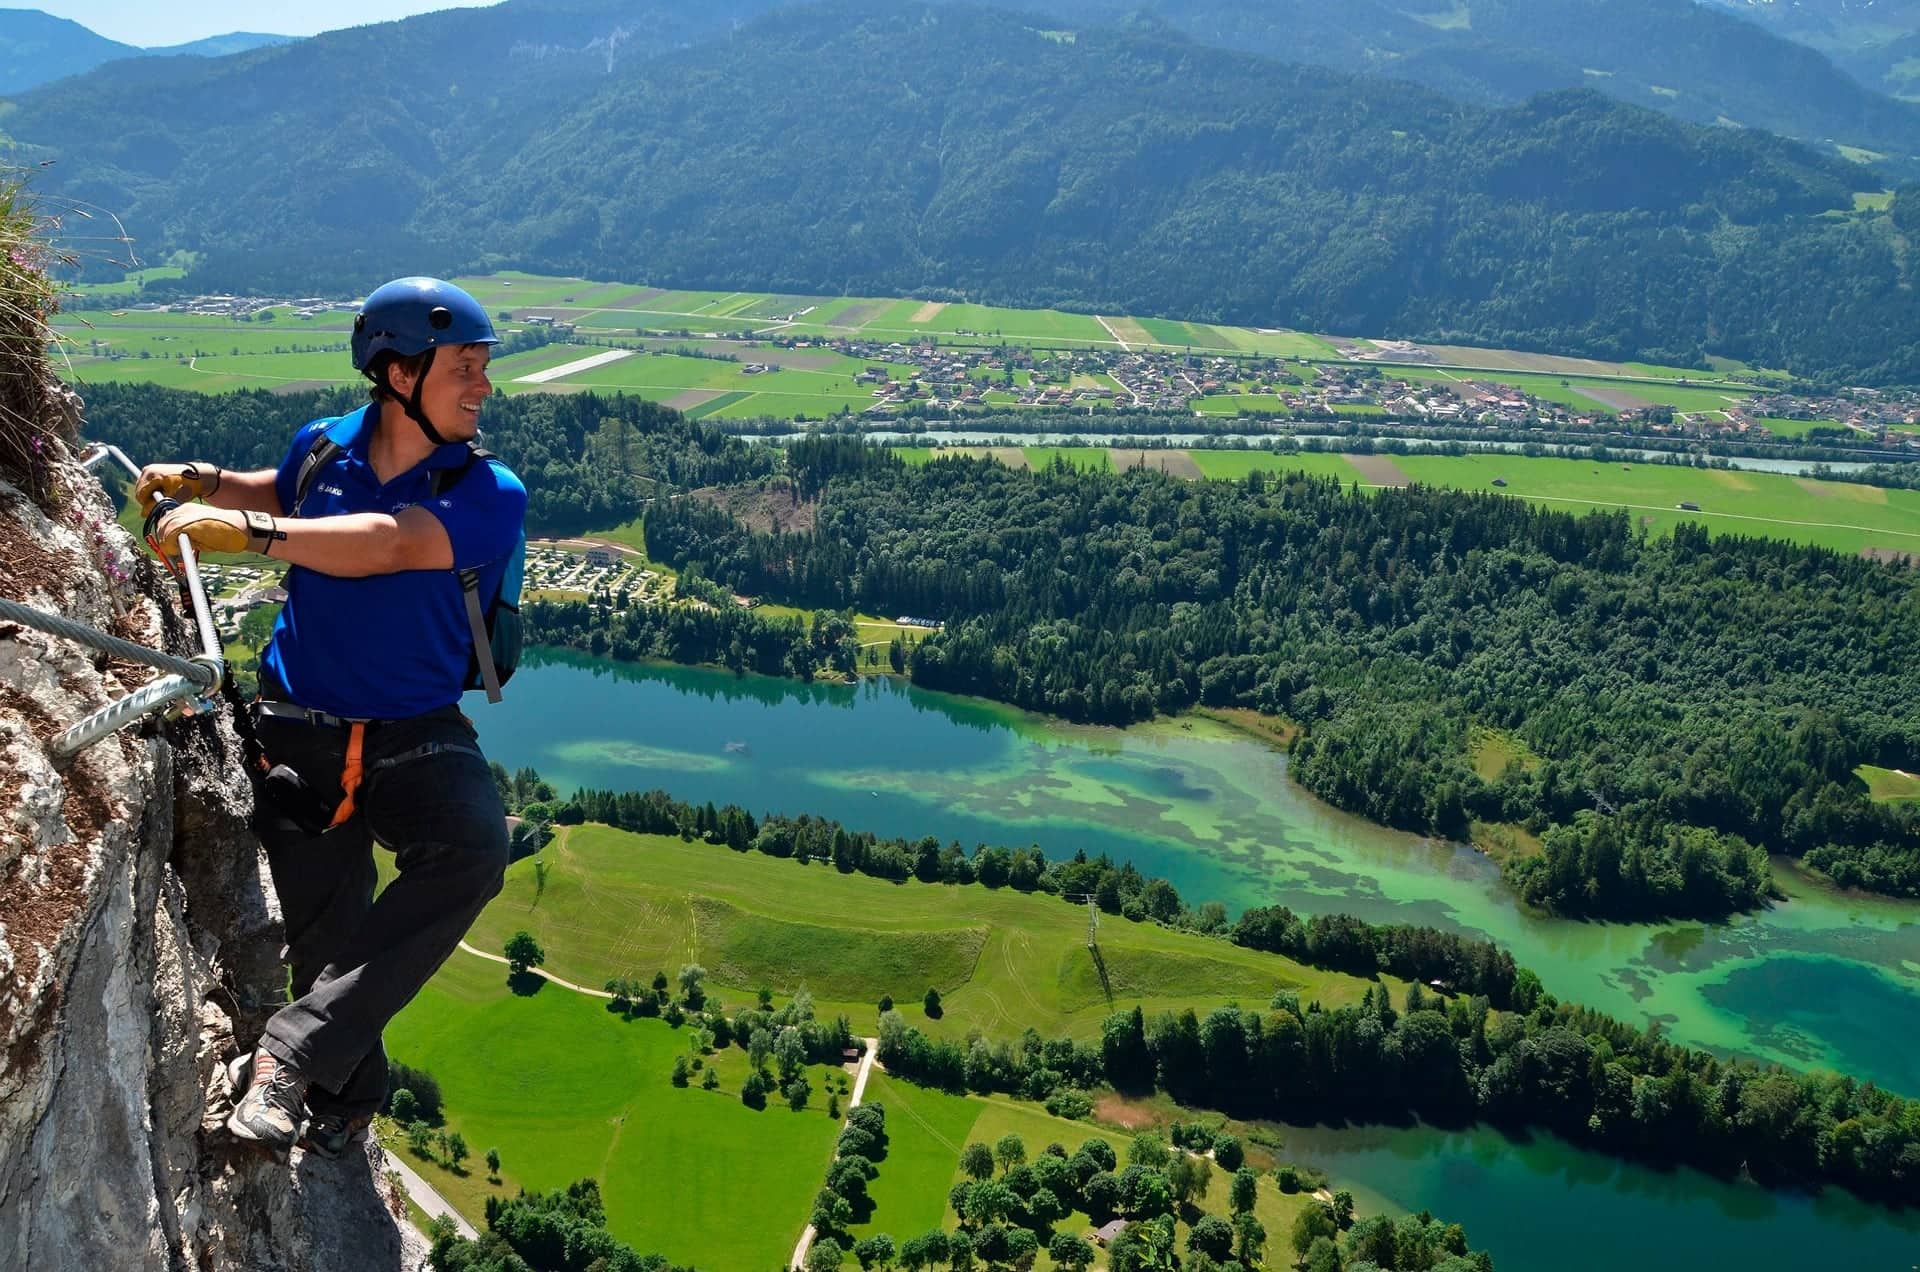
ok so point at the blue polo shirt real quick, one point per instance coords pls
(388, 646)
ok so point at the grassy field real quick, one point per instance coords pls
(1491, 750)
(567, 1090)
(1242, 404)
(1841, 515)
(620, 904)
(1845, 516)
(1889, 784)
(1792, 428)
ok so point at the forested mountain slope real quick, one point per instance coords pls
(958, 151)
(1697, 62)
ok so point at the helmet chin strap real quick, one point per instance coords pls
(411, 403)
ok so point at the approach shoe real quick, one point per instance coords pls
(270, 1101)
(329, 1134)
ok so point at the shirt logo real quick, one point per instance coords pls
(332, 490)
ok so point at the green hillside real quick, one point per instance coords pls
(618, 904)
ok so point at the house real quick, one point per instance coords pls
(600, 556)
(1104, 1235)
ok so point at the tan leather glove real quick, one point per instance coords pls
(216, 530)
(179, 482)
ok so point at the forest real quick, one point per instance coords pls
(1125, 171)
(1684, 705)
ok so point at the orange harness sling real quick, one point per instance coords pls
(350, 773)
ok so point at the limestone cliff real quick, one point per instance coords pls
(139, 938)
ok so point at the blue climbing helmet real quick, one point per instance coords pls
(411, 316)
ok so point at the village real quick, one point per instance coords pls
(962, 378)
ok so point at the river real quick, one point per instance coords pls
(1822, 979)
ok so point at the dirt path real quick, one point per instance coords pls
(853, 1101)
(1116, 335)
(540, 972)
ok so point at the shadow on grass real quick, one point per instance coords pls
(525, 984)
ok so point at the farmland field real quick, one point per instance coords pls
(287, 351)
(1602, 396)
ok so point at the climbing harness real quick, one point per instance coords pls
(189, 684)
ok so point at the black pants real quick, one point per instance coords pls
(426, 795)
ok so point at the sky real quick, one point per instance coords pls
(149, 23)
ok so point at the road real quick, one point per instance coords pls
(853, 1101)
(425, 1196)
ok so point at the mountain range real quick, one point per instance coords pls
(37, 48)
(957, 151)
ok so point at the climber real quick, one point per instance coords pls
(392, 522)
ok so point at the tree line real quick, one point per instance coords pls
(564, 1230)
(1452, 1060)
(1705, 700)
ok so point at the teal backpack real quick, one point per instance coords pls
(497, 635)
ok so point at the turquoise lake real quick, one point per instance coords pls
(1822, 979)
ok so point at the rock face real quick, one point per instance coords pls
(139, 944)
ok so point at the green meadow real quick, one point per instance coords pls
(1780, 427)
(1242, 404)
(1845, 516)
(612, 903)
(568, 1090)
(1891, 785)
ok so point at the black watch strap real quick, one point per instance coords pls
(262, 531)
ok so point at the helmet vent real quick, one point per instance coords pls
(441, 318)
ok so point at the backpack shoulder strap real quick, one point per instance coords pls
(318, 456)
(322, 448)
(444, 480)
